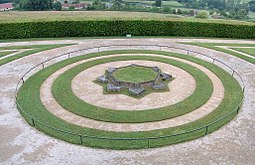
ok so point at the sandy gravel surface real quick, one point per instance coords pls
(22, 144)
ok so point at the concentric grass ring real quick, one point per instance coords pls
(29, 100)
(67, 99)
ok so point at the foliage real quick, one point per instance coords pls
(167, 10)
(224, 6)
(57, 6)
(192, 12)
(122, 27)
(158, 3)
(224, 13)
(71, 8)
(155, 9)
(97, 5)
(202, 15)
(242, 14)
(5, 1)
(36, 5)
(117, 5)
(252, 5)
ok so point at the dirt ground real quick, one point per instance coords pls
(23, 144)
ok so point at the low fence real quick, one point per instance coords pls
(102, 142)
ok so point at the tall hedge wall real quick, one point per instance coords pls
(122, 27)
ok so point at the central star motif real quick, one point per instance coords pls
(134, 80)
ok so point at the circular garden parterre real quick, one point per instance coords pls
(36, 114)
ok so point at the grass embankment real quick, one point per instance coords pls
(35, 49)
(214, 47)
(29, 99)
(64, 95)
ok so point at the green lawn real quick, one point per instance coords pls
(213, 46)
(2, 54)
(250, 51)
(135, 74)
(35, 49)
(29, 99)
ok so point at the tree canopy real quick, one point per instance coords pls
(36, 5)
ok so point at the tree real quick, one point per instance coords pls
(191, 12)
(232, 14)
(179, 11)
(116, 5)
(158, 3)
(223, 13)
(36, 5)
(217, 4)
(202, 15)
(252, 5)
(57, 6)
(98, 5)
(242, 14)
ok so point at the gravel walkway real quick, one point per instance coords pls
(23, 144)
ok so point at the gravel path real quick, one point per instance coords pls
(23, 144)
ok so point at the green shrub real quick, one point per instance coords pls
(57, 6)
(202, 15)
(122, 27)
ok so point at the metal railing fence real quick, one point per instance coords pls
(203, 130)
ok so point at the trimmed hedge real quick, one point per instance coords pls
(121, 27)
